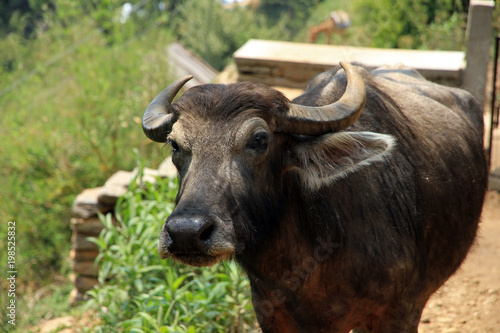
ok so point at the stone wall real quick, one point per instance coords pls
(294, 65)
(86, 223)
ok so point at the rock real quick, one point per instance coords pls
(86, 223)
(83, 255)
(80, 242)
(87, 268)
(87, 204)
(124, 178)
(84, 283)
(109, 194)
(120, 178)
(451, 330)
(91, 226)
(115, 187)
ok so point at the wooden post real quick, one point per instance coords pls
(479, 28)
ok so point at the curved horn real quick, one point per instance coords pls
(157, 120)
(312, 120)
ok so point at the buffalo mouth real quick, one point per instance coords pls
(197, 260)
(203, 258)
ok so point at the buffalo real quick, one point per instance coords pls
(347, 207)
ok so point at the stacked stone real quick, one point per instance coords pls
(86, 223)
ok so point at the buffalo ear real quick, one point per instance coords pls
(329, 157)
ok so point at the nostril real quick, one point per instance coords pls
(207, 233)
(188, 234)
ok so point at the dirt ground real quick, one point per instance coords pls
(469, 302)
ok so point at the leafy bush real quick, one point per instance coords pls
(402, 24)
(69, 120)
(141, 293)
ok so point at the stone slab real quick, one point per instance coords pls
(87, 204)
(79, 255)
(83, 283)
(293, 65)
(87, 268)
(118, 183)
(91, 226)
(109, 194)
(120, 178)
(80, 242)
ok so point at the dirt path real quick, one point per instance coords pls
(469, 302)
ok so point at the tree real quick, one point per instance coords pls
(294, 13)
(405, 24)
(25, 16)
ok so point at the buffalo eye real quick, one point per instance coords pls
(175, 146)
(258, 142)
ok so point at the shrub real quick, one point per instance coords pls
(141, 293)
(68, 125)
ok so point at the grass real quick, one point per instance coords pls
(47, 303)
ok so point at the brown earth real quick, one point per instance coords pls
(469, 302)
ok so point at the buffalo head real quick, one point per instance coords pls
(240, 148)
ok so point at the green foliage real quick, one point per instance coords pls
(422, 24)
(415, 24)
(25, 17)
(215, 33)
(47, 303)
(291, 15)
(70, 118)
(141, 293)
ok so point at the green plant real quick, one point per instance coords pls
(141, 293)
(68, 124)
(403, 24)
